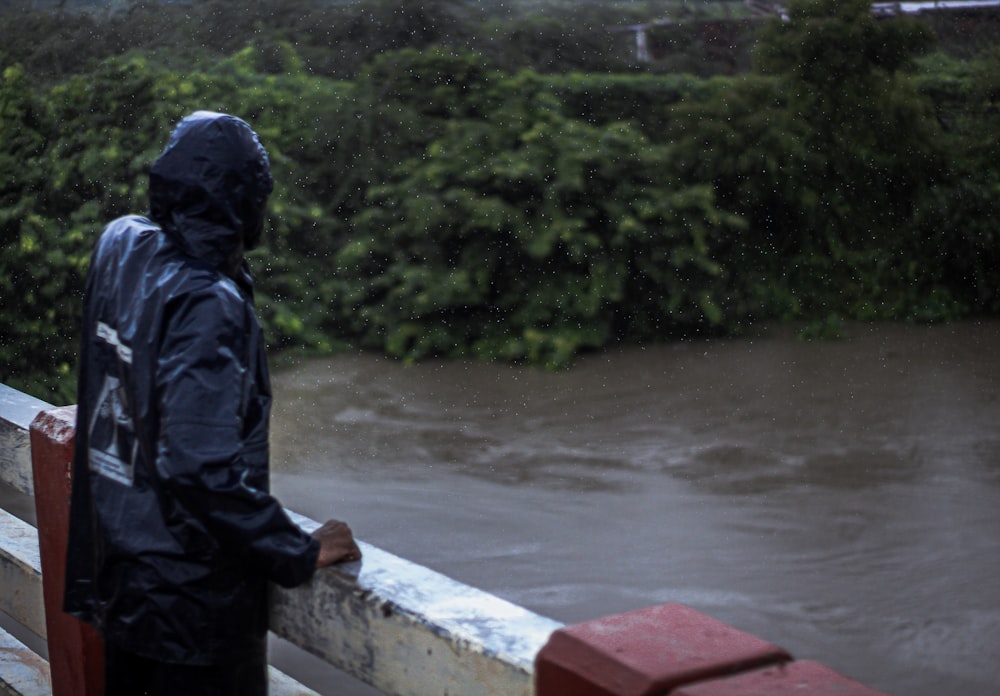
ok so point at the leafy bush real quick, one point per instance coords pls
(435, 204)
(837, 161)
(530, 236)
(958, 220)
(79, 153)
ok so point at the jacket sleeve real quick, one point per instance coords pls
(211, 465)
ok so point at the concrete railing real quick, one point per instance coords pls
(398, 626)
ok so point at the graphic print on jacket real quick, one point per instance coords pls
(111, 432)
(111, 435)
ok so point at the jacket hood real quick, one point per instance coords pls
(208, 189)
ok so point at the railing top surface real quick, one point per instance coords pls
(500, 628)
(400, 626)
(17, 409)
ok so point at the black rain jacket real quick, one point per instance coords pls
(173, 533)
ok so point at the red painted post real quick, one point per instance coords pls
(647, 652)
(76, 653)
(793, 679)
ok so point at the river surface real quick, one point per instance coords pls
(838, 498)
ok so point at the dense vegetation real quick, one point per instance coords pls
(435, 200)
(337, 39)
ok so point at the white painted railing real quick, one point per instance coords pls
(400, 627)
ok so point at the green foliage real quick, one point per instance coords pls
(641, 99)
(959, 217)
(41, 263)
(867, 155)
(80, 151)
(436, 204)
(738, 136)
(839, 44)
(338, 38)
(530, 236)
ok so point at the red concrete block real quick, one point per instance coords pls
(801, 677)
(76, 652)
(646, 652)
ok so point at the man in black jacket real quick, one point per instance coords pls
(173, 532)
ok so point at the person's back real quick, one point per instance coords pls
(173, 533)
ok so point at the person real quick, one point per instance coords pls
(173, 532)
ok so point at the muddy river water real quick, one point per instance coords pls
(838, 498)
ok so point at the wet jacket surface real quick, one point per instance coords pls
(173, 532)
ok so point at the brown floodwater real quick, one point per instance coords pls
(839, 498)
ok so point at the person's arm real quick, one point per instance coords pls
(216, 477)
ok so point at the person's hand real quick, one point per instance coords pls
(336, 544)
